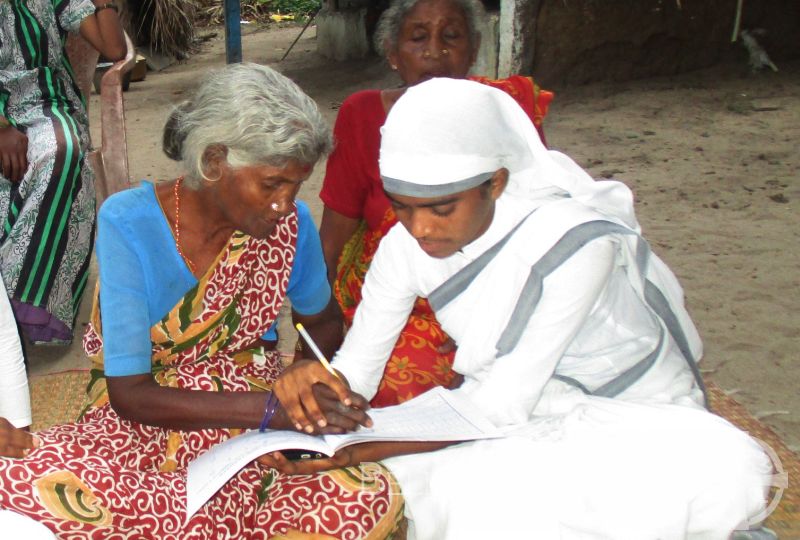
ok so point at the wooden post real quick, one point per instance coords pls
(233, 32)
(517, 31)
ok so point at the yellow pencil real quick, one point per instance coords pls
(315, 349)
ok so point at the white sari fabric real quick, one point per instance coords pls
(643, 461)
(15, 404)
(18, 526)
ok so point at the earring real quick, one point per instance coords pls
(445, 51)
(274, 206)
(394, 67)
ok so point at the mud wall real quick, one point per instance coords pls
(579, 41)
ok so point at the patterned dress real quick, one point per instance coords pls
(107, 478)
(47, 219)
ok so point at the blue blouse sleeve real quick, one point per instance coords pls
(123, 293)
(308, 287)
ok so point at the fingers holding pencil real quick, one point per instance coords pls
(310, 396)
(341, 389)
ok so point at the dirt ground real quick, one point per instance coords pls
(711, 155)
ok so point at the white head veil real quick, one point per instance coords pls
(446, 135)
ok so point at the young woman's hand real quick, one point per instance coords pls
(277, 461)
(15, 442)
(350, 456)
(13, 153)
(313, 398)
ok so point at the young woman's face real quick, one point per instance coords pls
(433, 42)
(443, 225)
(255, 198)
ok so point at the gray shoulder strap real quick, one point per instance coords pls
(531, 293)
(458, 282)
(573, 240)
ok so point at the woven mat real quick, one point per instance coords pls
(57, 398)
(785, 519)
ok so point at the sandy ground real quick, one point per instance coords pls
(711, 155)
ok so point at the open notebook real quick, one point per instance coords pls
(436, 415)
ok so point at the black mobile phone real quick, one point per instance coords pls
(296, 454)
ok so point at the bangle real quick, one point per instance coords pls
(269, 411)
(107, 5)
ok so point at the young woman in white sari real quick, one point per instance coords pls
(572, 336)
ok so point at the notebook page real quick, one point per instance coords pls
(209, 472)
(436, 415)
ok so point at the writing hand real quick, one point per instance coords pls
(15, 442)
(295, 389)
(13, 153)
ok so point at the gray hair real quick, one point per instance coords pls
(388, 29)
(259, 115)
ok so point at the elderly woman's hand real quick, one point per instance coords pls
(13, 153)
(317, 401)
(15, 442)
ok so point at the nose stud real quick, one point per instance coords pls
(274, 206)
(426, 54)
(445, 52)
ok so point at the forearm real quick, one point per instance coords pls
(335, 230)
(371, 452)
(111, 33)
(325, 328)
(140, 399)
(104, 31)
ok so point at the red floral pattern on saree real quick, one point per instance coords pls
(108, 478)
(533, 100)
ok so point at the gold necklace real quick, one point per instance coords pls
(177, 192)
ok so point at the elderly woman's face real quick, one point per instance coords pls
(433, 42)
(255, 198)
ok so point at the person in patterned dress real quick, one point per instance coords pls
(193, 273)
(47, 198)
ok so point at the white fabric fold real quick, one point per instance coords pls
(15, 403)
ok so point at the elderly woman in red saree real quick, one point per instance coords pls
(193, 272)
(420, 39)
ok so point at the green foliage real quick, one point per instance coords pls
(294, 7)
(266, 483)
(211, 11)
